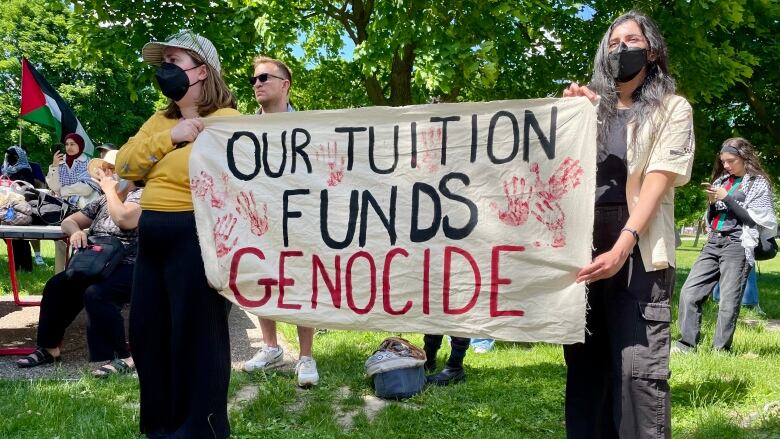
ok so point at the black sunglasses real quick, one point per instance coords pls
(263, 77)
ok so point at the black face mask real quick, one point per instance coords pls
(173, 80)
(626, 62)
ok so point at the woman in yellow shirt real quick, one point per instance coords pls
(178, 324)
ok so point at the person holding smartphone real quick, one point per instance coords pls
(740, 208)
(68, 176)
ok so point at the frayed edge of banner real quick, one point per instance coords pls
(587, 308)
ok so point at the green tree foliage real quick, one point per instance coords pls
(405, 52)
(726, 58)
(723, 53)
(43, 32)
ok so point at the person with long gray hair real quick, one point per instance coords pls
(740, 213)
(617, 381)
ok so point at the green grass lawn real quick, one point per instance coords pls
(29, 282)
(514, 391)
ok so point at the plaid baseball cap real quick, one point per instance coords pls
(184, 39)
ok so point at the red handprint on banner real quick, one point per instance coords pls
(431, 150)
(222, 231)
(203, 187)
(516, 212)
(335, 163)
(219, 195)
(543, 198)
(551, 215)
(247, 207)
(564, 179)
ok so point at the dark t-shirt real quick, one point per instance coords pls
(103, 225)
(721, 217)
(611, 169)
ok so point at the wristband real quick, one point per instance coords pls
(633, 232)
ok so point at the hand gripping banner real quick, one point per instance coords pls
(465, 219)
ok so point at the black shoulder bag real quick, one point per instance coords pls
(96, 261)
(47, 210)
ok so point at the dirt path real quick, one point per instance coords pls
(18, 327)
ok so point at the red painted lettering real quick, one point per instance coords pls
(495, 281)
(448, 251)
(372, 268)
(240, 298)
(386, 284)
(334, 290)
(286, 281)
(426, 279)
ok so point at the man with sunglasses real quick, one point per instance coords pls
(271, 83)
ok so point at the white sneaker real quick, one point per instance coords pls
(39, 260)
(306, 370)
(265, 358)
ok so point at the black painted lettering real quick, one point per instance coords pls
(231, 158)
(515, 135)
(351, 222)
(455, 232)
(287, 213)
(421, 235)
(548, 144)
(350, 142)
(474, 133)
(297, 148)
(268, 170)
(387, 220)
(371, 149)
(444, 121)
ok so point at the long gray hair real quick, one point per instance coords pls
(648, 97)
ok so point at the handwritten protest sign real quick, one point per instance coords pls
(464, 219)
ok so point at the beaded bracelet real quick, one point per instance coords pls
(633, 232)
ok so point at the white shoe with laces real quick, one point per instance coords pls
(306, 371)
(265, 358)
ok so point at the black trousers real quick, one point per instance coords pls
(63, 299)
(721, 260)
(178, 333)
(459, 345)
(617, 381)
(22, 254)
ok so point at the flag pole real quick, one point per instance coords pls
(20, 133)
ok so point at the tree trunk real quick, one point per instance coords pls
(698, 232)
(760, 110)
(401, 76)
(374, 90)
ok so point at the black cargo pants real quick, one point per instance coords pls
(616, 382)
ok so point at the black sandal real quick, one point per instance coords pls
(115, 366)
(36, 358)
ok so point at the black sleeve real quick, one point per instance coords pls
(711, 213)
(738, 211)
(23, 174)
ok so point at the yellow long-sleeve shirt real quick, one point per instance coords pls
(152, 157)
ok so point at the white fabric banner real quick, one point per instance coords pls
(465, 219)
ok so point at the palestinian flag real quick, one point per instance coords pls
(42, 105)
